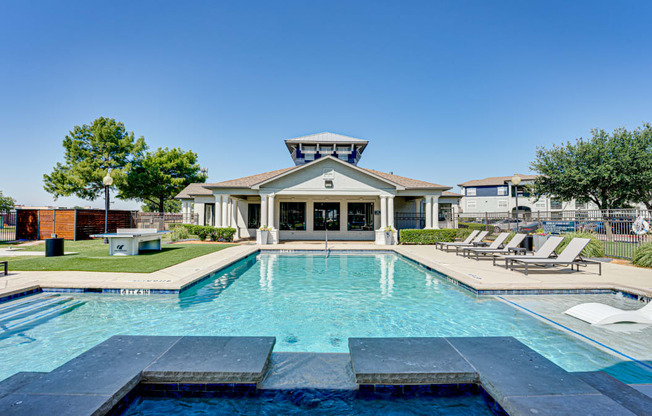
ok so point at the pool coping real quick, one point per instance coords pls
(446, 273)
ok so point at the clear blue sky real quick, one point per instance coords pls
(445, 91)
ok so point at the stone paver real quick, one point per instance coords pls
(306, 370)
(20, 404)
(213, 360)
(17, 381)
(628, 397)
(408, 361)
(575, 405)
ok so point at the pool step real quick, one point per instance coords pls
(32, 308)
(7, 306)
(41, 315)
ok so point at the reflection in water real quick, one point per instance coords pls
(267, 265)
(387, 275)
(431, 280)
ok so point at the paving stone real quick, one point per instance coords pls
(17, 381)
(408, 361)
(628, 397)
(643, 388)
(564, 405)
(509, 368)
(213, 360)
(292, 370)
(104, 369)
(39, 404)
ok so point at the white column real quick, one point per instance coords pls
(390, 211)
(263, 211)
(428, 212)
(383, 212)
(218, 210)
(270, 207)
(417, 211)
(455, 209)
(225, 211)
(435, 212)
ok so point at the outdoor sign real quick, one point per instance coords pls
(558, 227)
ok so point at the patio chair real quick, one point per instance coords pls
(496, 244)
(513, 243)
(546, 251)
(468, 241)
(601, 314)
(569, 257)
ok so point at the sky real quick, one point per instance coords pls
(445, 91)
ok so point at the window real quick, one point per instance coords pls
(470, 191)
(540, 204)
(523, 191)
(580, 205)
(254, 216)
(209, 214)
(471, 204)
(327, 215)
(555, 204)
(502, 203)
(361, 216)
(502, 190)
(293, 216)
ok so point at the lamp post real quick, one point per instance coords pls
(516, 180)
(108, 181)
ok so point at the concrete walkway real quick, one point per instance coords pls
(480, 275)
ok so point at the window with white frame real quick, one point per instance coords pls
(471, 204)
(470, 191)
(502, 203)
(502, 191)
(540, 204)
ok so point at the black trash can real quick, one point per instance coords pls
(528, 242)
(53, 247)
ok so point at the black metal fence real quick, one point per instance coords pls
(8, 226)
(614, 227)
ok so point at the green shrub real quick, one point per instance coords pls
(462, 233)
(476, 226)
(179, 232)
(222, 234)
(426, 236)
(214, 233)
(643, 256)
(595, 248)
(510, 236)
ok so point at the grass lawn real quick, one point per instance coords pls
(93, 256)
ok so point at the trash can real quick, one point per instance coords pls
(528, 242)
(53, 247)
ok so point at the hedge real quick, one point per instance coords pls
(206, 231)
(595, 248)
(643, 256)
(426, 236)
(476, 226)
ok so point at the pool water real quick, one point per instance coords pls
(308, 403)
(310, 303)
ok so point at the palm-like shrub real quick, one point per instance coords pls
(595, 248)
(643, 256)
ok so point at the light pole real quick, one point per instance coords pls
(108, 181)
(516, 180)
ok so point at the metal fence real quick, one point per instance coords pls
(614, 227)
(8, 226)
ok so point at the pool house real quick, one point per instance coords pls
(325, 191)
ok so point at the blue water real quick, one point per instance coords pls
(310, 303)
(308, 403)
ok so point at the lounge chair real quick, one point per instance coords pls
(440, 245)
(496, 244)
(601, 314)
(569, 257)
(475, 236)
(546, 251)
(513, 243)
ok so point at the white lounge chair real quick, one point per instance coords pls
(569, 257)
(495, 245)
(546, 251)
(513, 243)
(601, 314)
(477, 237)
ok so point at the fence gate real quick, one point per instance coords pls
(8, 226)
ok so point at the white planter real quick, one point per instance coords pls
(385, 238)
(538, 241)
(262, 237)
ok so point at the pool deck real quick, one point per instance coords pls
(479, 276)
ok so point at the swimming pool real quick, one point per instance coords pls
(310, 303)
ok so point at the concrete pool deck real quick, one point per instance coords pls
(480, 276)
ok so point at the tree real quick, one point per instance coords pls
(172, 205)
(598, 169)
(159, 176)
(641, 163)
(91, 152)
(7, 203)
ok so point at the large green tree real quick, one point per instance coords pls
(640, 161)
(600, 169)
(7, 203)
(159, 176)
(91, 152)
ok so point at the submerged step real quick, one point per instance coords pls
(32, 308)
(39, 316)
(17, 303)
